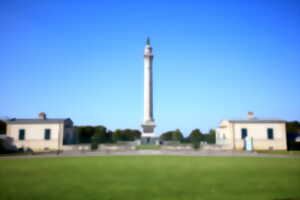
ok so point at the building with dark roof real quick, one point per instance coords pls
(41, 133)
(255, 133)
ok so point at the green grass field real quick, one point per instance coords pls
(150, 177)
(290, 153)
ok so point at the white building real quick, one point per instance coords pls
(41, 133)
(264, 134)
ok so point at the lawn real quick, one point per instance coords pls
(150, 177)
(291, 153)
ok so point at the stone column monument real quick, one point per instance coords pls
(148, 123)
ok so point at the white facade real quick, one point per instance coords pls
(40, 134)
(264, 134)
(148, 123)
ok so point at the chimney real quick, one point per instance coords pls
(42, 116)
(250, 115)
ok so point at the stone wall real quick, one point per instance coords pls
(213, 147)
(107, 147)
(176, 147)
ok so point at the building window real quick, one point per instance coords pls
(47, 134)
(270, 133)
(22, 134)
(244, 133)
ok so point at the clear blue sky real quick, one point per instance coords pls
(213, 60)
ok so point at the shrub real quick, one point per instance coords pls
(126, 135)
(196, 145)
(94, 144)
(172, 136)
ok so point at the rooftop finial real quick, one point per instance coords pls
(148, 40)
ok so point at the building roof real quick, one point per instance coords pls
(252, 119)
(257, 120)
(37, 121)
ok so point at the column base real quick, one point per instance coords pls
(150, 140)
(148, 129)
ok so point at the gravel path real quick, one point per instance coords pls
(150, 153)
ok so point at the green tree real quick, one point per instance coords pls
(195, 135)
(94, 143)
(2, 127)
(172, 136)
(98, 137)
(195, 138)
(108, 136)
(116, 136)
(127, 135)
(177, 135)
(292, 131)
(137, 134)
(84, 133)
(167, 136)
(211, 138)
(100, 134)
(293, 127)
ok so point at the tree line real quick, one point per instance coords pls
(293, 131)
(88, 134)
(195, 137)
(100, 134)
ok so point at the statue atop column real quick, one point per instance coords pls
(148, 40)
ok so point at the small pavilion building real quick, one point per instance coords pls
(41, 133)
(263, 134)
